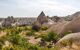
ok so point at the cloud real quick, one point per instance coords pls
(34, 7)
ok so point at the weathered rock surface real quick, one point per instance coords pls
(69, 42)
(74, 37)
(58, 27)
(62, 27)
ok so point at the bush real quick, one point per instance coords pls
(44, 28)
(51, 37)
(17, 40)
(33, 47)
(65, 33)
(30, 33)
(36, 27)
(15, 47)
(12, 31)
(23, 28)
(1, 44)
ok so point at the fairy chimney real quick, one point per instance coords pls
(42, 18)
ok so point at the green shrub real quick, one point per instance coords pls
(36, 27)
(21, 43)
(32, 32)
(65, 33)
(1, 44)
(7, 48)
(44, 28)
(33, 47)
(66, 43)
(17, 40)
(12, 31)
(23, 28)
(50, 37)
(15, 47)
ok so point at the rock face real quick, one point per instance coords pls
(55, 18)
(73, 16)
(70, 41)
(72, 26)
(58, 27)
(8, 21)
(25, 21)
(74, 37)
(49, 23)
(42, 18)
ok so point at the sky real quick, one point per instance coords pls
(32, 8)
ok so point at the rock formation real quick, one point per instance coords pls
(66, 26)
(70, 41)
(42, 18)
(8, 21)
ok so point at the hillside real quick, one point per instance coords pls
(42, 33)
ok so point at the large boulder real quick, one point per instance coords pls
(73, 16)
(73, 26)
(74, 37)
(70, 41)
(70, 26)
(57, 27)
